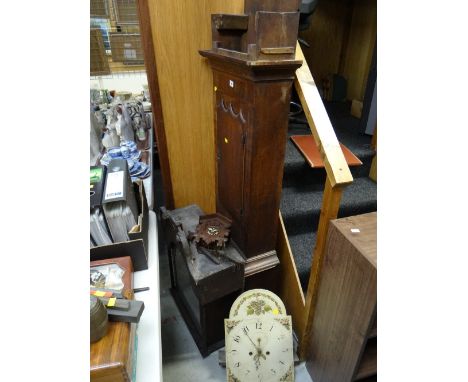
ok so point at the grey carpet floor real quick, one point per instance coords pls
(303, 186)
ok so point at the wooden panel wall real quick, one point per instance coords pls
(360, 46)
(179, 30)
(326, 36)
(342, 36)
(153, 85)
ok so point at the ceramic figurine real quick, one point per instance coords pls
(124, 123)
(111, 139)
(139, 126)
(95, 139)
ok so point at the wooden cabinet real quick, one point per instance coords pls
(343, 341)
(251, 116)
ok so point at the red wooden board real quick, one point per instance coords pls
(306, 145)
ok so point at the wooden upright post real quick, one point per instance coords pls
(330, 207)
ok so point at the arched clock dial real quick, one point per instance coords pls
(259, 349)
(257, 302)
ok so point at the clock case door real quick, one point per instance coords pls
(251, 119)
(231, 121)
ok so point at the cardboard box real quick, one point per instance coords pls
(137, 246)
(126, 48)
(99, 65)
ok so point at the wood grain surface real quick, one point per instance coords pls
(327, 33)
(338, 348)
(365, 241)
(308, 148)
(156, 107)
(290, 290)
(111, 356)
(373, 169)
(251, 114)
(179, 30)
(346, 31)
(335, 163)
(356, 108)
(360, 46)
(330, 206)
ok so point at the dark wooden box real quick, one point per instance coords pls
(204, 291)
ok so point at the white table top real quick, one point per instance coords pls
(149, 352)
(148, 182)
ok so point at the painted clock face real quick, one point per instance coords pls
(257, 302)
(259, 349)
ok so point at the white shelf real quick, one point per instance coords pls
(149, 353)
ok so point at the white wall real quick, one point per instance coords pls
(132, 82)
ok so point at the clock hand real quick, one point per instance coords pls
(255, 346)
(257, 361)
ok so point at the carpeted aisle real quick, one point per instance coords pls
(303, 186)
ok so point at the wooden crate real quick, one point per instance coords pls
(343, 343)
(126, 11)
(98, 9)
(99, 64)
(126, 48)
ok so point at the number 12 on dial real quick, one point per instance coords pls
(259, 349)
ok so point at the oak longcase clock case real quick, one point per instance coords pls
(251, 114)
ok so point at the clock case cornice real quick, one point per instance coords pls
(236, 63)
